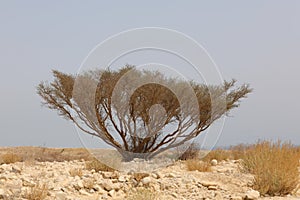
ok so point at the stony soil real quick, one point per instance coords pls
(225, 181)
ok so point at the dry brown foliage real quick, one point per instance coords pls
(274, 166)
(9, 158)
(199, 165)
(42, 154)
(76, 172)
(37, 192)
(98, 166)
(88, 101)
(219, 155)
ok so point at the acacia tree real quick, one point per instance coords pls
(139, 113)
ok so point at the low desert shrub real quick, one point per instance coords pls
(194, 164)
(76, 172)
(10, 158)
(238, 151)
(218, 154)
(143, 194)
(37, 192)
(274, 166)
(98, 166)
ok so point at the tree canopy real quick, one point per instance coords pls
(140, 113)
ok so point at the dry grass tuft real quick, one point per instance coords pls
(238, 151)
(143, 194)
(201, 166)
(274, 166)
(98, 166)
(38, 192)
(42, 154)
(218, 154)
(9, 158)
(76, 172)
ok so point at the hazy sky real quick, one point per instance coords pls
(256, 42)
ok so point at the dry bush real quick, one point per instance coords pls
(238, 151)
(192, 152)
(143, 194)
(274, 166)
(201, 166)
(37, 192)
(10, 158)
(218, 154)
(98, 166)
(76, 172)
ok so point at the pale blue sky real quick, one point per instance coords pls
(256, 42)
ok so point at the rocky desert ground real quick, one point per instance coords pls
(71, 180)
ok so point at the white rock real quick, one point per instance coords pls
(112, 193)
(104, 196)
(107, 175)
(208, 183)
(83, 192)
(122, 179)
(252, 195)
(107, 185)
(174, 195)
(154, 175)
(212, 187)
(159, 175)
(171, 175)
(116, 186)
(61, 196)
(146, 180)
(80, 184)
(213, 162)
(2, 194)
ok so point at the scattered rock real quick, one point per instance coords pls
(252, 195)
(2, 194)
(225, 182)
(174, 195)
(213, 162)
(146, 180)
(112, 193)
(171, 175)
(122, 179)
(107, 185)
(212, 187)
(16, 169)
(208, 183)
(80, 184)
(61, 196)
